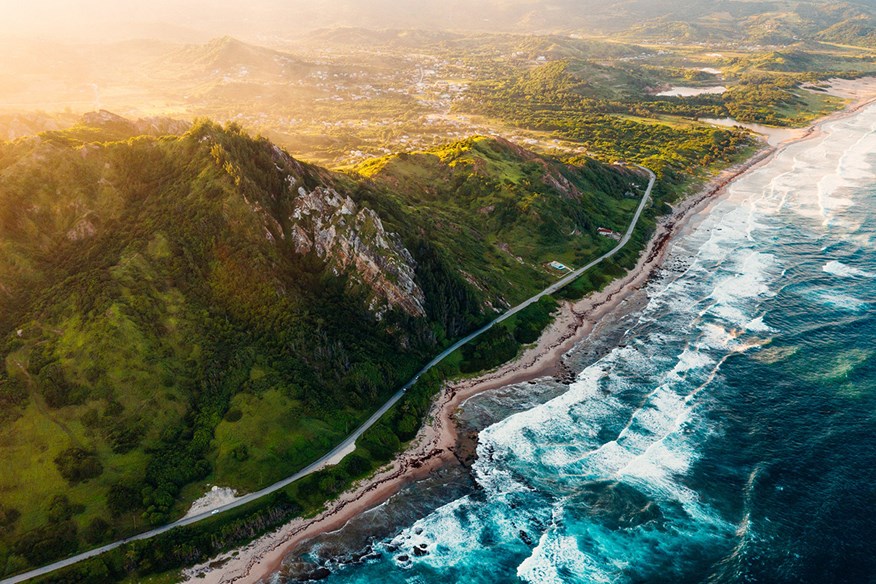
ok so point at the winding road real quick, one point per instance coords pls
(351, 439)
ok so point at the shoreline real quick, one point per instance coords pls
(438, 442)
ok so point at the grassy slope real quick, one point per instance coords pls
(506, 212)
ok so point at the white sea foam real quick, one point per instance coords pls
(838, 300)
(748, 281)
(717, 337)
(453, 534)
(560, 551)
(842, 270)
(757, 325)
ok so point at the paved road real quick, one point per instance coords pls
(351, 439)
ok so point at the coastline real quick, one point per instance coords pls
(438, 442)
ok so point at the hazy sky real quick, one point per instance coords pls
(97, 19)
(176, 19)
(197, 20)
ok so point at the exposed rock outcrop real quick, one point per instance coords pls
(352, 239)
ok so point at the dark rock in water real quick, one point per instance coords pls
(391, 548)
(403, 558)
(305, 572)
(525, 537)
(420, 552)
(362, 555)
(320, 573)
(466, 450)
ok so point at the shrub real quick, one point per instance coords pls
(533, 320)
(47, 543)
(77, 465)
(356, 465)
(233, 415)
(96, 531)
(8, 517)
(493, 348)
(56, 389)
(60, 509)
(122, 499)
(381, 442)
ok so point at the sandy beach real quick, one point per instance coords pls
(438, 442)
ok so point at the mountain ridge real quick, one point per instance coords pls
(204, 307)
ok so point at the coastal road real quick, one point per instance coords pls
(351, 439)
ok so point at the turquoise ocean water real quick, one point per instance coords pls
(725, 433)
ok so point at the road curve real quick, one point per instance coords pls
(316, 465)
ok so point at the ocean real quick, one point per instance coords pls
(721, 429)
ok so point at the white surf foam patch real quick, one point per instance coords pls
(692, 359)
(716, 336)
(838, 300)
(555, 552)
(749, 280)
(757, 325)
(837, 268)
(452, 534)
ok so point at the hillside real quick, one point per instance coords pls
(229, 59)
(505, 211)
(185, 310)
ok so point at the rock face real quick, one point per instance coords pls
(83, 229)
(352, 239)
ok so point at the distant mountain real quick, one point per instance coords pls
(284, 19)
(763, 21)
(766, 21)
(178, 310)
(230, 58)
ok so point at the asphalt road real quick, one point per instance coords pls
(351, 439)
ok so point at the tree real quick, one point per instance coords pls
(122, 499)
(60, 509)
(96, 531)
(78, 465)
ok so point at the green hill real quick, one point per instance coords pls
(194, 309)
(505, 212)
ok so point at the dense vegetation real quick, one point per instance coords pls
(164, 331)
